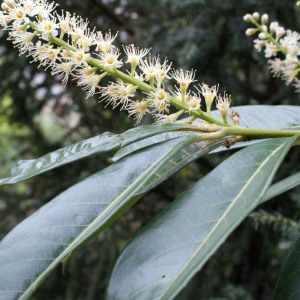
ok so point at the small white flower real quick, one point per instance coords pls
(64, 21)
(46, 54)
(270, 50)
(48, 27)
(30, 8)
(77, 57)
(110, 94)
(104, 43)
(19, 15)
(223, 104)
(118, 93)
(89, 80)
(276, 66)
(23, 41)
(134, 54)
(292, 52)
(160, 99)
(49, 56)
(165, 119)
(63, 71)
(209, 93)
(163, 71)
(289, 73)
(193, 102)
(85, 41)
(291, 38)
(44, 9)
(77, 28)
(138, 109)
(110, 60)
(150, 67)
(258, 44)
(183, 78)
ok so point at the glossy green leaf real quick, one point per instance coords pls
(30, 252)
(282, 186)
(288, 283)
(265, 116)
(103, 143)
(252, 116)
(279, 117)
(162, 258)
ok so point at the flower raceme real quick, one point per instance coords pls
(275, 39)
(65, 44)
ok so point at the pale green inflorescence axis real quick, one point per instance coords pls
(65, 44)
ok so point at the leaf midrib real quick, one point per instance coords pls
(220, 220)
(74, 244)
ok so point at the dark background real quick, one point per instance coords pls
(39, 115)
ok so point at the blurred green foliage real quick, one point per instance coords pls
(38, 115)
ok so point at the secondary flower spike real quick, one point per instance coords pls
(275, 40)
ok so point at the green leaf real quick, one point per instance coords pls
(282, 186)
(268, 116)
(265, 116)
(162, 258)
(103, 143)
(30, 252)
(281, 117)
(288, 283)
(252, 116)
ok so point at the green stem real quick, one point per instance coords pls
(224, 119)
(183, 95)
(241, 132)
(132, 70)
(260, 132)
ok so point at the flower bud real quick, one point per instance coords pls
(273, 27)
(298, 3)
(262, 36)
(251, 31)
(255, 16)
(280, 32)
(259, 44)
(10, 3)
(264, 19)
(248, 18)
(5, 7)
(265, 28)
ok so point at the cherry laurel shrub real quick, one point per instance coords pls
(164, 256)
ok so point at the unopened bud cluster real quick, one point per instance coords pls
(64, 43)
(273, 39)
